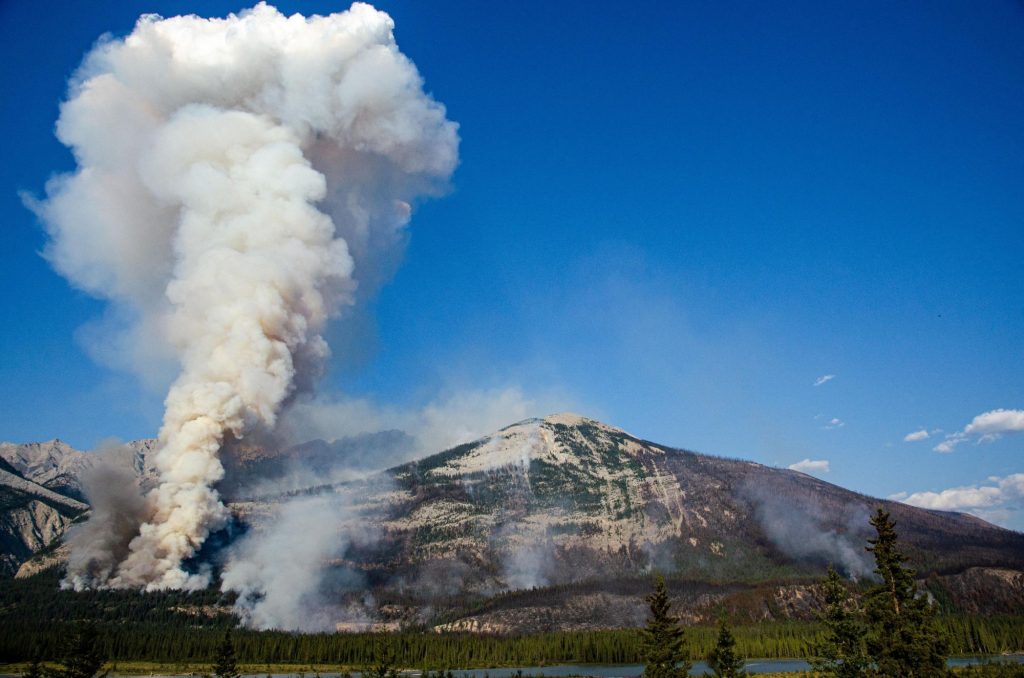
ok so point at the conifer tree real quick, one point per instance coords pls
(903, 637)
(842, 653)
(34, 669)
(663, 638)
(723, 660)
(385, 665)
(225, 665)
(83, 656)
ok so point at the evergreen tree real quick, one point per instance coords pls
(663, 651)
(225, 665)
(723, 660)
(385, 665)
(34, 669)
(842, 653)
(83, 656)
(903, 637)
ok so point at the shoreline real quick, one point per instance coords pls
(145, 669)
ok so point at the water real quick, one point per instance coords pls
(753, 666)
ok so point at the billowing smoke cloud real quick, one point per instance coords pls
(282, 573)
(117, 510)
(236, 179)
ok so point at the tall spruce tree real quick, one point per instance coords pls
(225, 665)
(34, 669)
(83, 656)
(903, 636)
(663, 652)
(385, 666)
(723, 660)
(842, 653)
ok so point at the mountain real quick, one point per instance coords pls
(581, 487)
(588, 511)
(31, 517)
(58, 466)
(558, 522)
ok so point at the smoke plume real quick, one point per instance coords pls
(117, 510)
(237, 178)
(282, 573)
(796, 526)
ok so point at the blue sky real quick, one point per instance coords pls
(674, 217)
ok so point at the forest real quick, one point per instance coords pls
(185, 629)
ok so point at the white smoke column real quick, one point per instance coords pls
(236, 178)
(279, 571)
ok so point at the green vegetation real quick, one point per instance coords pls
(82, 656)
(993, 670)
(225, 666)
(148, 646)
(723, 660)
(34, 669)
(384, 666)
(662, 645)
(842, 653)
(903, 637)
(897, 630)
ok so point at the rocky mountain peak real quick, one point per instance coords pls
(43, 462)
(558, 439)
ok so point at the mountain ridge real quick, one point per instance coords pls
(559, 501)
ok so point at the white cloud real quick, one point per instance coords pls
(824, 379)
(811, 466)
(834, 422)
(995, 501)
(915, 436)
(985, 428)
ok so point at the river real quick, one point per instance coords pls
(753, 666)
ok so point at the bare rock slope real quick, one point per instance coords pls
(554, 523)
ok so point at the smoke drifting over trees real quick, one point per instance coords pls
(238, 179)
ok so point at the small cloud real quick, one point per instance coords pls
(899, 496)
(811, 466)
(915, 436)
(834, 422)
(995, 501)
(985, 428)
(825, 378)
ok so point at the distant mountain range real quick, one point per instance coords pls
(548, 524)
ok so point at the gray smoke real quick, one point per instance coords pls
(797, 527)
(288, 575)
(118, 508)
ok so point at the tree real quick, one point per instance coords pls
(34, 669)
(663, 638)
(385, 665)
(225, 665)
(723, 660)
(842, 652)
(903, 637)
(83, 657)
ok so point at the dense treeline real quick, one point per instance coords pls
(193, 645)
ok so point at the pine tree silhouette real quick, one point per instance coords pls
(723, 660)
(842, 652)
(903, 637)
(663, 638)
(225, 665)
